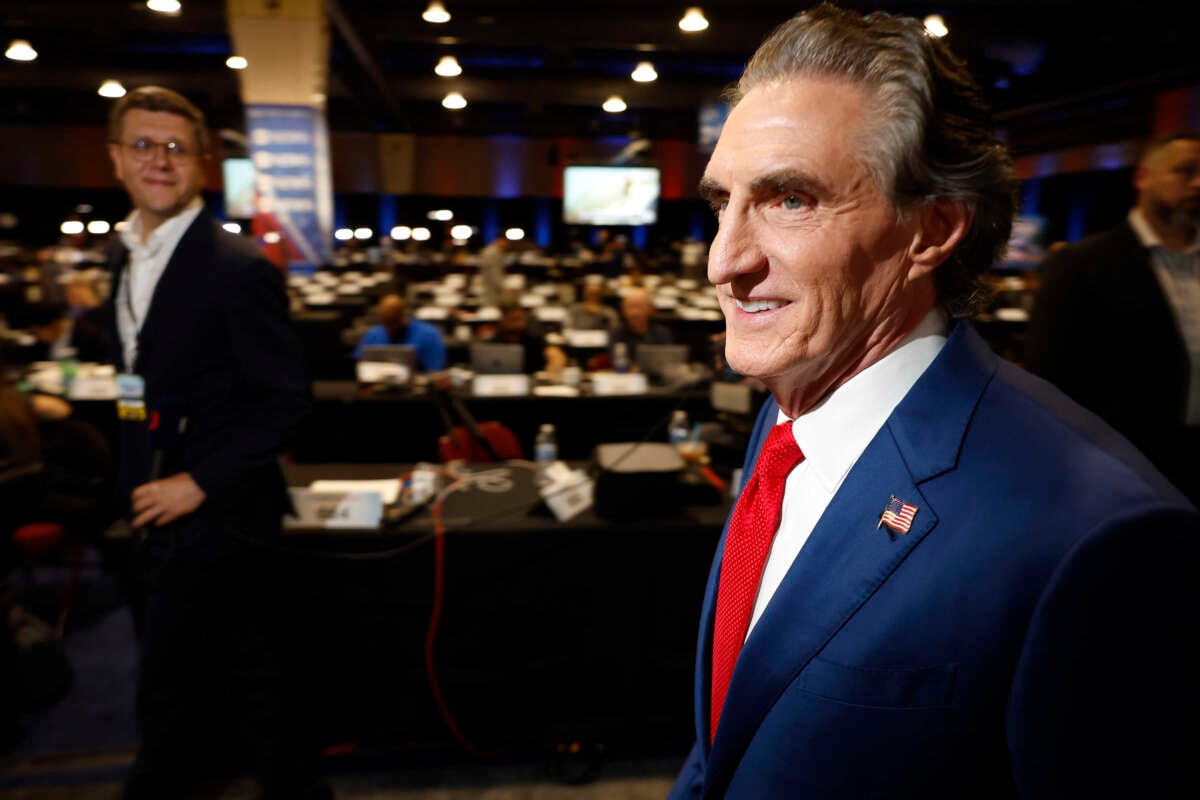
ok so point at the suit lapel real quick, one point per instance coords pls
(187, 264)
(846, 559)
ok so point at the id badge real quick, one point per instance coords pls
(131, 397)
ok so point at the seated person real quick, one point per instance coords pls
(514, 327)
(637, 327)
(592, 314)
(396, 327)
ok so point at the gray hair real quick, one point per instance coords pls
(934, 138)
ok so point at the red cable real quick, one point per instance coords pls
(435, 615)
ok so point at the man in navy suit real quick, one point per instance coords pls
(211, 389)
(971, 587)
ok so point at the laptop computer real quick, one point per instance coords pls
(497, 358)
(660, 361)
(404, 354)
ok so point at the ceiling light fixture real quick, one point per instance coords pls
(363, 233)
(20, 50)
(232, 227)
(343, 234)
(98, 227)
(236, 62)
(440, 215)
(614, 105)
(436, 13)
(111, 88)
(421, 234)
(164, 6)
(644, 72)
(401, 233)
(693, 20)
(448, 67)
(454, 101)
(936, 26)
(71, 227)
(461, 232)
(514, 234)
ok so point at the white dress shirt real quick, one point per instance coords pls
(833, 435)
(147, 261)
(1179, 276)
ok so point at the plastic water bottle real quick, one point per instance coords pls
(545, 450)
(678, 430)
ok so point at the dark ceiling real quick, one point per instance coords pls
(1058, 72)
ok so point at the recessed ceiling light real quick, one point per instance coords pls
(693, 20)
(20, 50)
(401, 233)
(448, 67)
(644, 72)
(614, 105)
(514, 234)
(236, 62)
(98, 227)
(454, 101)
(421, 234)
(111, 88)
(164, 6)
(232, 227)
(461, 232)
(363, 233)
(436, 13)
(441, 215)
(936, 26)
(71, 227)
(343, 234)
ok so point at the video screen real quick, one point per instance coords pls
(610, 195)
(238, 175)
(1026, 245)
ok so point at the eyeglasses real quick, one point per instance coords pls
(145, 150)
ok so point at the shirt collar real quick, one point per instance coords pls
(1149, 237)
(834, 434)
(169, 231)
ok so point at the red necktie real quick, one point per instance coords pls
(751, 530)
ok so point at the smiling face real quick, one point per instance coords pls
(811, 263)
(159, 185)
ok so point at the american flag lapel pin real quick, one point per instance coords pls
(897, 516)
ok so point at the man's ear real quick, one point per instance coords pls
(941, 225)
(114, 153)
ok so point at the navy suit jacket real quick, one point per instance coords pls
(217, 348)
(1033, 634)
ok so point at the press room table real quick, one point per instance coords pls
(550, 632)
(350, 423)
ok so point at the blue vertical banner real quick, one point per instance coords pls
(289, 147)
(711, 120)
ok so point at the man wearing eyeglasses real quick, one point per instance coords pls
(211, 388)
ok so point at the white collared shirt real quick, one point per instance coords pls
(146, 265)
(1179, 276)
(833, 435)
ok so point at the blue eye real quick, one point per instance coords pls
(792, 203)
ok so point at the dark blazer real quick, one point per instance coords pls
(1103, 331)
(1032, 635)
(216, 349)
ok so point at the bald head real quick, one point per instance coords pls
(637, 309)
(392, 314)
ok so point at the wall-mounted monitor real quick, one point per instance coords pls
(610, 195)
(238, 176)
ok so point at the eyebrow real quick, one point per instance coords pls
(710, 189)
(773, 183)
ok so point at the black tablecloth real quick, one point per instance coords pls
(550, 632)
